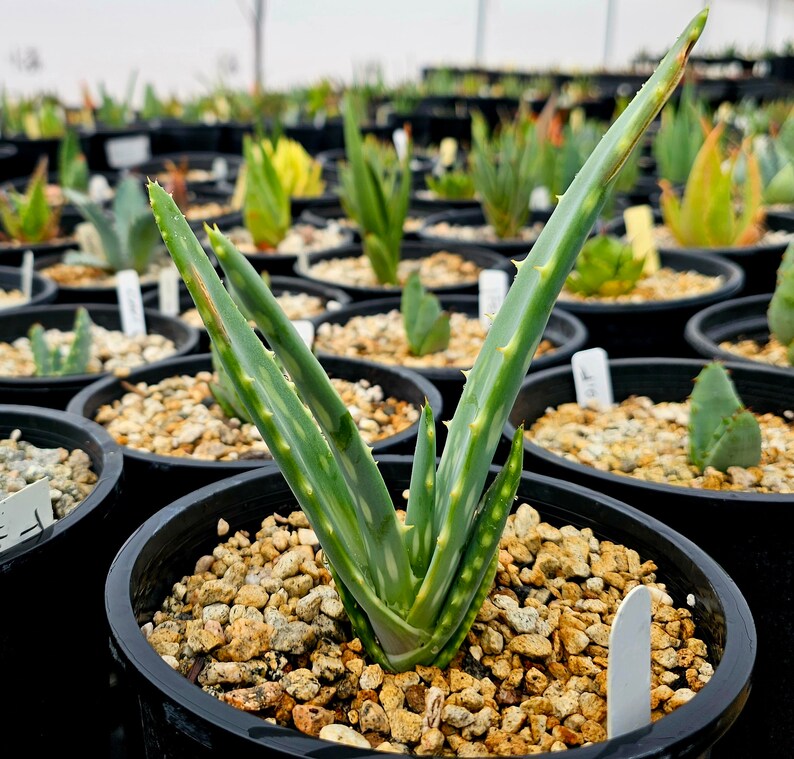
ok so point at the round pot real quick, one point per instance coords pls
(43, 290)
(476, 217)
(179, 719)
(156, 479)
(172, 135)
(100, 152)
(196, 160)
(9, 161)
(760, 262)
(12, 252)
(655, 328)
(321, 216)
(731, 320)
(56, 392)
(425, 201)
(331, 296)
(564, 330)
(60, 669)
(744, 532)
(482, 257)
(419, 164)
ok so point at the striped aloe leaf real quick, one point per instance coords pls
(411, 589)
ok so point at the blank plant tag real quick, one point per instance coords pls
(400, 139)
(540, 198)
(123, 152)
(639, 232)
(220, 169)
(494, 284)
(168, 291)
(128, 289)
(25, 513)
(99, 189)
(26, 273)
(591, 377)
(629, 670)
(448, 152)
(305, 330)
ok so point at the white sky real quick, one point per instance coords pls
(178, 44)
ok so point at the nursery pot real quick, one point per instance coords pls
(204, 160)
(655, 328)
(53, 643)
(730, 321)
(325, 214)
(12, 252)
(745, 532)
(155, 479)
(56, 392)
(171, 135)
(482, 257)
(42, 289)
(565, 331)
(180, 720)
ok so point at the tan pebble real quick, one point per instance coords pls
(312, 719)
(344, 735)
(531, 645)
(223, 528)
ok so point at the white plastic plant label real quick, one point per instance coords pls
(25, 513)
(540, 198)
(123, 152)
(99, 189)
(168, 291)
(26, 274)
(591, 377)
(128, 289)
(220, 169)
(629, 671)
(639, 233)
(305, 330)
(400, 140)
(447, 152)
(493, 286)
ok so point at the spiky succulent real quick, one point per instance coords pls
(456, 184)
(51, 361)
(722, 432)
(426, 323)
(299, 172)
(715, 211)
(27, 217)
(780, 313)
(606, 266)
(411, 588)
(72, 163)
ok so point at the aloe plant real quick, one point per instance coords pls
(50, 361)
(504, 173)
(27, 217)
(605, 266)
(776, 163)
(456, 184)
(376, 197)
(72, 163)
(716, 211)
(722, 432)
(426, 323)
(411, 589)
(780, 313)
(125, 238)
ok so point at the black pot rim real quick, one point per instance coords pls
(190, 339)
(85, 432)
(730, 676)
(203, 361)
(598, 476)
(47, 289)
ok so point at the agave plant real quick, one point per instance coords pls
(411, 588)
(27, 217)
(716, 210)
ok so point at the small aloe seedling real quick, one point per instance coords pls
(715, 211)
(780, 313)
(426, 323)
(126, 238)
(376, 197)
(606, 266)
(51, 361)
(411, 587)
(72, 164)
(27, 217)
(300, 174)
(722, 432)
(456, 184)
(776, 163)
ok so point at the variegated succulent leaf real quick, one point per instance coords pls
(267, 211)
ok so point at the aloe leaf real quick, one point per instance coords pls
(380, 258)
(35, 213)
(422, 494)
(129, 203)
(91, 212)
(737, 444)
(42, 357)
(502, 363)
(751, 203)
(143, 242)
(718, 218)
(79, 353)
(780, 313)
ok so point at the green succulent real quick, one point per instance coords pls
(606, 266)
(426, 323)
(776, 163)
(51, 361)
(780, 313)
(411, 588)
(456, 184)
(722, 432)
(72, 163)
(27, 217)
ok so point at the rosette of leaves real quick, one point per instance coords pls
(606, 266)
(411, 586)
(27, 217)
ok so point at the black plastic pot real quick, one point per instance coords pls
(196, 159)
(565, 331)
(99, 153)
(12, 252)
(655, 328)
(420, 165)
(53, 643)
(43, 290)
(759, 262)
(731, 320)
(476, 217)
(172, 135)
(56, 392)
(321, 216)
(155, 480)
(331, 296)
(29, 151)
(179, 719)
(487, 259)
(423, 201)
(746, 533)
(10, 165)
